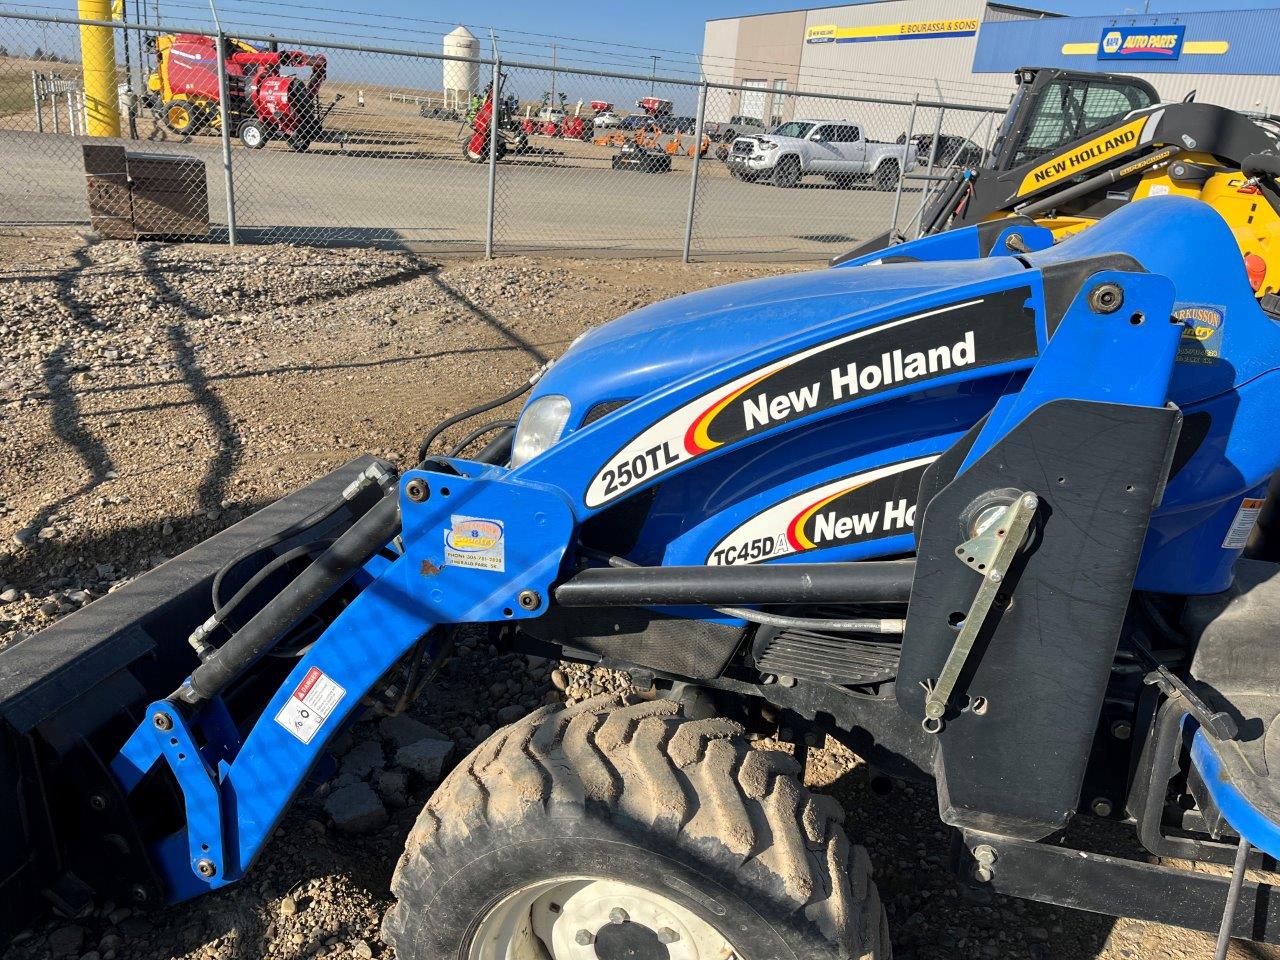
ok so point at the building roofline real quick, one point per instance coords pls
(1046, 14)
(1040, 14)
(821, 6)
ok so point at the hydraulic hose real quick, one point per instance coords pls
(348, 553)
(520, 391)
(375, 473)
(479, 432)
(222, 611)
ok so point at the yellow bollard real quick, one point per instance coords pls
(98, 54)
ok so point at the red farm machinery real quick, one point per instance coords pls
(264, 102)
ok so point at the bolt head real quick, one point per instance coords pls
(98, 802)
(618, 915)
(1102, 807)
(139, 893)
(1106, 298)
(584, 938)
(995, 576)
(667, 935)
(985, 854)
(529, 600)
(416, 490)
(206, 868)
(1030, 500)
(982, 874)
(162, 721)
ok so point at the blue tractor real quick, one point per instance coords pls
(996, 516)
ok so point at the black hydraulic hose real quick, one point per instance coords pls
(324, 512)
(944, 206)
(868, 581)
(498, 450)
(520, 391)
(375, 473)
(479, 432)
(309, 549)
(347, 554)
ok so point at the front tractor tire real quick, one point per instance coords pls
(618, 828)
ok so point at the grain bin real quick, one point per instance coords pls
(461, 78)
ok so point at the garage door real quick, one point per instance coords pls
(753, 100)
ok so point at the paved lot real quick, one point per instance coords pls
(552, 199)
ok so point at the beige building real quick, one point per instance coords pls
(890, 48)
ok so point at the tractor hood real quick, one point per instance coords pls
(665, 342)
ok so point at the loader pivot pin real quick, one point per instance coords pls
(1106, 298)
(989, 553)
(416, 490)
(162, 721)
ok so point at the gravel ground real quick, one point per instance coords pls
(152, 395)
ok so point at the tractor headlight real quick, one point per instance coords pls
(540, 427)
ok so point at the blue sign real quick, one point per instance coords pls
(1162, 42)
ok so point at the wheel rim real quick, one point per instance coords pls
(580, 918)
(252, 136)
(179, 117)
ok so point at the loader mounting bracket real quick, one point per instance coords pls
(1040, 662)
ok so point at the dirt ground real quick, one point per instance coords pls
(151, 395)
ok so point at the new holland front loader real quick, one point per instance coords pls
(987, 512)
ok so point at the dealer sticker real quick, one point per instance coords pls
(1201, 340)
(476, 543)
(310, 705)
(1238, 534)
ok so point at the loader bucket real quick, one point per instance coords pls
(72, 694)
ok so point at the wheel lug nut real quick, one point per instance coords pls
(584, 938)
(618, 915)
(667, 935)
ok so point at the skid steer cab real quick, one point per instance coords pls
(264, 101)
(999, 523)
(1073, 147)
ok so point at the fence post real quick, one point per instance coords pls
(494, 110)
(224, 121)
(698, 125)
(902, 169)
(37, 96)
(927, 189)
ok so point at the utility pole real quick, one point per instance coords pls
(551, 102)
(653, 76)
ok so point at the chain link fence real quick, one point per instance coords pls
(264, 139)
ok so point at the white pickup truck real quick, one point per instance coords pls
(835, 149)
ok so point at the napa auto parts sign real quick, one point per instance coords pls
(1163, 42)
